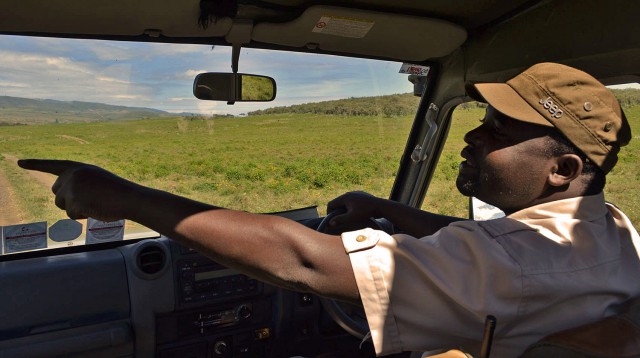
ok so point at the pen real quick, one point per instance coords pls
(487, 337)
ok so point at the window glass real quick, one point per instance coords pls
(58, 100)
(442, 195)
(623, 182)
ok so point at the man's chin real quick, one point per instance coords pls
(465, 186)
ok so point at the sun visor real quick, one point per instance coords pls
(364, 32)
(132, 18)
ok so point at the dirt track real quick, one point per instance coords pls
(75, 139)
(10, 211)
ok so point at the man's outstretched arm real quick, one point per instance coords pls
(360, 206)
(269, 248)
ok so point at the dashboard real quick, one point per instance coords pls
(156, 298)
(218, 311)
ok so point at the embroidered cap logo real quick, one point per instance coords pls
(553, 109)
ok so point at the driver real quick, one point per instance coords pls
(561, 257)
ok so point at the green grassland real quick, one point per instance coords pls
(261, 163)
(264, 163)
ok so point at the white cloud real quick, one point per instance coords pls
(111, 79)
(160, 75)
(127, 51)
(110, 51)
(191, 74)
(124, 96)
(162, 50)
(12, 84)
(33, 76)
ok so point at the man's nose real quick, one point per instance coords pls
(472, 136)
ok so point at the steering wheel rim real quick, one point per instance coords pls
(356, 327)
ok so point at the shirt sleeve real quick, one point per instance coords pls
(433, 292)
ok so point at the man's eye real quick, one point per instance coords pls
(497, 130)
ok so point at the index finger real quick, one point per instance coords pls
(52, 166)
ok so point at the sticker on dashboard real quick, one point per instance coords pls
(103, 231)
(24, 237)
(343, 26)
(65, 230)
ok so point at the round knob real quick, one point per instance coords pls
(220, 347)
(243, 312)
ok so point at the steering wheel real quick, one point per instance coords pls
(348, 316)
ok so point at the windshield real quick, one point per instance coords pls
(337, 125)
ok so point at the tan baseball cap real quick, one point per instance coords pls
(572, 101)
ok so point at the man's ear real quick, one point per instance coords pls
(566, 168)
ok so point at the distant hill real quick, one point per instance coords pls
(18, 111)
(15, 110)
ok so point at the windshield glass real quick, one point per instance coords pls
(129, 107)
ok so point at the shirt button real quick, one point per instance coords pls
(361, 238)
(588, 106)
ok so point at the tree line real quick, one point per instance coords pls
(388, 106)
(398, 105)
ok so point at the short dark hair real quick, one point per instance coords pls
(594, 177)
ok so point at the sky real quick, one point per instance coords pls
(161, 75)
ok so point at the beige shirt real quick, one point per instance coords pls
(540, 270)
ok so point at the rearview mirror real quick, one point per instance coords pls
(232, 87)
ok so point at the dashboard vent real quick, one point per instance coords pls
(151, 260)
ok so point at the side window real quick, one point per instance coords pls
(623, 182)
(442, 196)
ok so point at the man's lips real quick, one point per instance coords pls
(467, 154)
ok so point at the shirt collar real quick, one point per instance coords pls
(586, 208)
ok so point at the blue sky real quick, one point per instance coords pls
(161, 75)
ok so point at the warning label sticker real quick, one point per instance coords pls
(102, 231)
(411, 69)
(342, 26)
(65, 230)
(25, 237)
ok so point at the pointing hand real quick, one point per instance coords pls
(85, 190)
